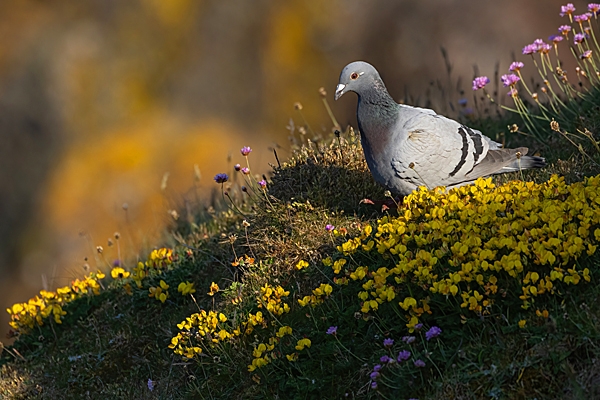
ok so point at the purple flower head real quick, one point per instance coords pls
(564, 29)
(237, 167)
(545, 48)
(567, 10)
(408, 339)
(221, 178)
(418, 326)
(594, 8)
(329, 227)
(374, 375)
(373, 385)
(578, 38)
(263, 184)
(385, 359)
(403, 355)
(245, 150)
(510, 79)
(530, 49)
(433, 332)
(150, 384)
(582, 18)
(480, 82)
(516, 66)
(388, 342)
(586, 54)
(512, 92)
(419, 363)
(555, 38)
(245, 170)
(377, 368)
(117, 262)
(332, 330)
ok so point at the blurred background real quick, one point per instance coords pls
(106, 106)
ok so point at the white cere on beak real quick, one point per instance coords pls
(339, 89)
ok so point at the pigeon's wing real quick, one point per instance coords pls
(500, 161)
(438, 151)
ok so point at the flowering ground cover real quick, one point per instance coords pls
(304, 285)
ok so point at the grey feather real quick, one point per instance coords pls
(407, 147)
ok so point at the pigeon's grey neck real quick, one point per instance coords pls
(377, 114)
(378, 96)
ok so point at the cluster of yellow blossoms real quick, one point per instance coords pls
(477, 241)
(318, 296)
(270, 298)
(24, 316)
(203, 326)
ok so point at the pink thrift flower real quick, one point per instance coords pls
(567, 10)
(512, 92)
(530, 49)
(480, 82)
(555, 38)
(516, 66)
(245, 150)
(564, 29)
(586, 54)
(510, 79)
(594, 8)
(578, 38)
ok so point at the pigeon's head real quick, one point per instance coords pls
(356, 77)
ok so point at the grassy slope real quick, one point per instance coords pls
(111, 344)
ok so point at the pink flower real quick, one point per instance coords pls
(555, 38)
(480, 82)
(586, 54)
(245, 150)
(545, 48)
(582, 18)
(245, 170)
(564, 29)
(594, 8)
(513, 92)
(530, 49)
(516, 66)
(263, 184)
(567, 10)
(578, 38)
(510, 79)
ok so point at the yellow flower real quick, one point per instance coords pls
(100, 275)
(284, 330)
(301, 265)
(186, 288)
(302, 343)
(119, 273)
(522, 323)
(292, 357)
(214, 288)
(337, 266)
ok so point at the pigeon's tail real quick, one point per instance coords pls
(525, 162)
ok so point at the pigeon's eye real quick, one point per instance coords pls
(354, 76)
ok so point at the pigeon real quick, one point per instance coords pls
(407, 147)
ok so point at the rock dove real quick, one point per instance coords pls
(407, 147)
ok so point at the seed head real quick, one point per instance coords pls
(322, 92)
(297, 106)
(554, 126)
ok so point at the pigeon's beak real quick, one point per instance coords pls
(339, 91)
